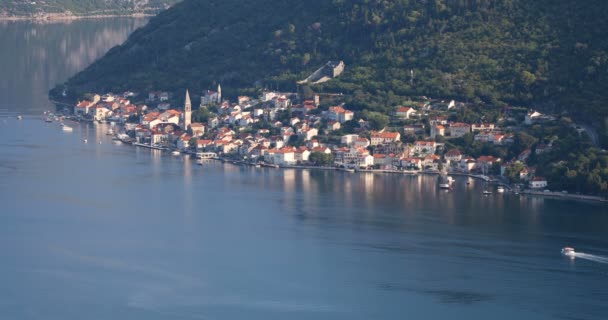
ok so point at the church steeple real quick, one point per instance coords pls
(187, 111)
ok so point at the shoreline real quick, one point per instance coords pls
(526, 192)
(65, 18)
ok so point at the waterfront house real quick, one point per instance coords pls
(466, 164)
(453, 155)
(184, 142)
(538, 183)
(82, 107)
(410, 163)
(324, 150)
(283, 156)
(302, 154)
(380, 160)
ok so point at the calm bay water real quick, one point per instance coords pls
(100, 231)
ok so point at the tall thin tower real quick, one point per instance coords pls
(219, 94)
(187, 111)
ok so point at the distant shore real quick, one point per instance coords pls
(60, 17)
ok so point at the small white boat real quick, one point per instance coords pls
(99, 141)
(569, 252)
(85, 140)
(175, 153)
(19, 117)
(48, 119)
(487, 192)
(67, 129)
(500, 189)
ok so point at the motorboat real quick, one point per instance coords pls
(19, 117)
(67, 129)
(48, 119)
(175, 153)
(85, 140)
(500, 189)
(487, 192)
(569, 252)
(445, 182)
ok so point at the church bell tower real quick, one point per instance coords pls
(187, 111)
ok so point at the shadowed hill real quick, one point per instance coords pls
(550, 54)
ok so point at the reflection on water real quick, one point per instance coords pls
(38, 56)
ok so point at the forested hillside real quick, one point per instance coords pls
(28, 8)
(552, 55)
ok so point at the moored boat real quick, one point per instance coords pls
(67, 129)
(175, 153)
(19, 117)
(500, 189)
(445, 181)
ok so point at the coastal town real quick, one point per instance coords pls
(282, 129)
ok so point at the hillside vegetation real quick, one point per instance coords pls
(551, 55)
(28, 8)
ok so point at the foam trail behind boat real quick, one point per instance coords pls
(591, 257)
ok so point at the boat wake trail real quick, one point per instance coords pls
(591, 257)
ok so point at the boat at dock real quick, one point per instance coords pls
(149, 146)
(175, 153)
(67, 129)
(487, 192)
(445, 181)
(500, 189)
(269, 165)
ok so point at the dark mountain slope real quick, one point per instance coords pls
(551, 54)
